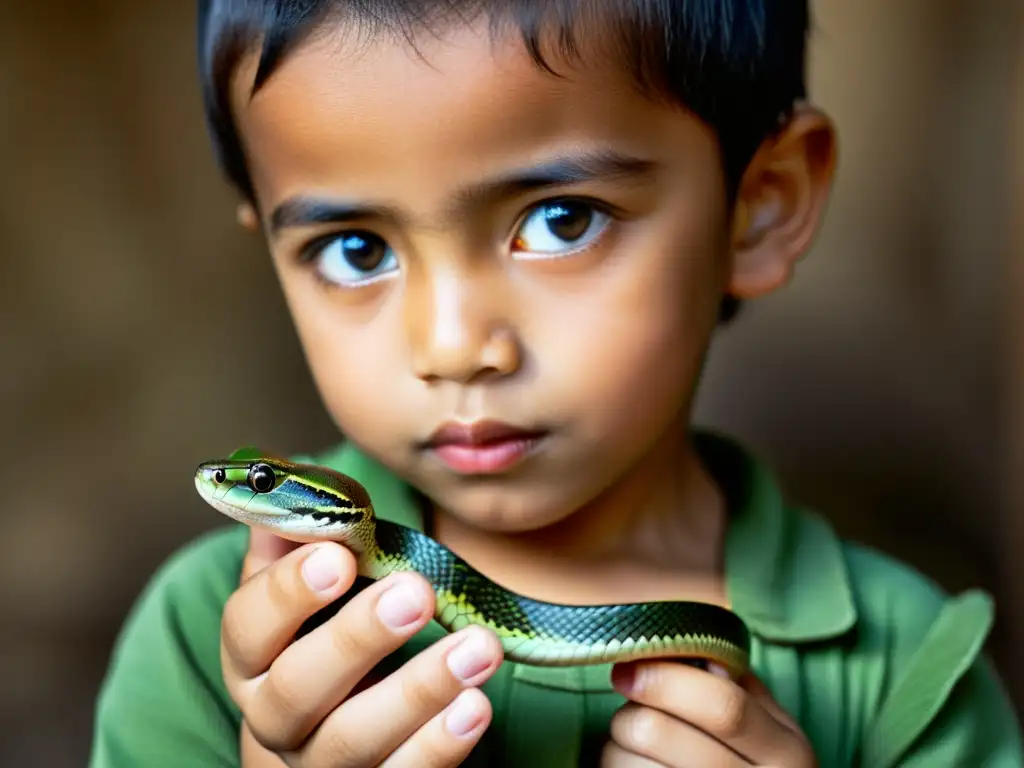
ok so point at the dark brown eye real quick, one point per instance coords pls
(568, 221)
(354, 251)
(560, 228)
(219, 476)
(261, 478)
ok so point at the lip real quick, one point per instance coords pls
(477, 433)
(482, 447)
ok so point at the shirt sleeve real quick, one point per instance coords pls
(977, 726)
(163, 701)
(943, 703)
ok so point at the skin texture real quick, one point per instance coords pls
(600, 348)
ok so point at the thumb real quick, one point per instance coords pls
(264, 549)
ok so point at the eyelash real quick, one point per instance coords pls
(310, 251)
(598, 207)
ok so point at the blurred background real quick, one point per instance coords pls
(885, 386)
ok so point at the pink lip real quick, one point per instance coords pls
(483, 447)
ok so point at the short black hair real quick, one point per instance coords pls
(738, 65)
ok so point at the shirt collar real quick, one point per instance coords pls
(786, 575)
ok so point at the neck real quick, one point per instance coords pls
(656, 533)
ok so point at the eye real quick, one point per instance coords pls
(219, 476)
(558, 228)
(353, 258)
(261, 478)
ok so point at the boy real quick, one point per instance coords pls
(506, 232)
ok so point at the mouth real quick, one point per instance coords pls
(483, 447)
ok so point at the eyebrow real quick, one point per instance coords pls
(577, 168)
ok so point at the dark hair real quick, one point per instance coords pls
(738, 65)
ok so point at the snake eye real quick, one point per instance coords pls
(261, 478)
(219, 476)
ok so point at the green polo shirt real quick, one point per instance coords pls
(878, 665)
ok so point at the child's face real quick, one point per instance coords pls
(449, 286)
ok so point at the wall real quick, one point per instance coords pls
(877, 385)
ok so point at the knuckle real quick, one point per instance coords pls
(354, 639)
(268, 595)
(235, 683)
(637, 728)
(337, 746)
(728, 712)
(429, 687)
(357, 631)
(233, 633)
(270, 733)
(283, 586)
(282, 697)
(613, 755)
(436, 749)
(643, 728)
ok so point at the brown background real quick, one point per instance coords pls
(885, 385)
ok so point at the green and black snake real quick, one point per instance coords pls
(305, 502)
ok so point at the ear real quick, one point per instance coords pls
(247, 217)
(780, 203)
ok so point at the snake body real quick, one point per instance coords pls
(305, 502)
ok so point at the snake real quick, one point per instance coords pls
(307, 502)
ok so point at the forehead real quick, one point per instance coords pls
(452, 104)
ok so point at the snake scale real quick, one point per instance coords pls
(305, 502)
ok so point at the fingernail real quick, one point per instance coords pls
(624, 678)
(719, 671)
(322, 569)
(470, 657)
(464, 717)
(399, 606)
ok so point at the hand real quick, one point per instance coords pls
(682, 717)
(308, 701)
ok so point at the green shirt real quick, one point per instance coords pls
(878, 665)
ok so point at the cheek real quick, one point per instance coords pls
(352, 354)
(637, 341)
(636, 363)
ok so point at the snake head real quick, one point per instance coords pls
(296, 501)
(243, 488)
(251, 453)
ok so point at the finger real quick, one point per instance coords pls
(252, 753)
(264, 548)
(262, 616)
(368, 727)
(752, 685)
(667, 741)
(449, 737)
(616, 756)
(317, 672)
(717, 706)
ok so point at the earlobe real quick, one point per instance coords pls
(780, 203)
(247, 218)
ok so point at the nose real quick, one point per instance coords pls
(458, 331)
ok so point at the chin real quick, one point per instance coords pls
(506, 510)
